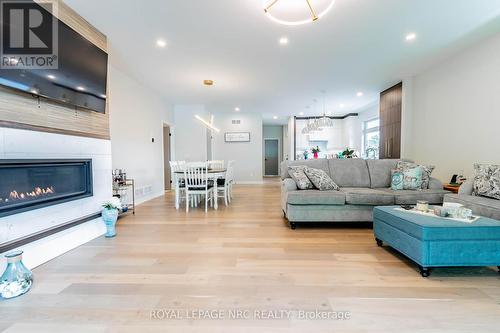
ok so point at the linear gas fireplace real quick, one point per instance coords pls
(33, 184)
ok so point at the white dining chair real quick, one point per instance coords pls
(224, 184)
(174, 167)
(216, 164)
(196, 178)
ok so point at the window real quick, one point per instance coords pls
(371, 138)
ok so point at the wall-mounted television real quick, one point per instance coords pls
(80, 79)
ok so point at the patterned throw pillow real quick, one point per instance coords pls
(412, 179)
(487, 180)
(397, 180)
(321, 180)
(426, 171)
(300, 178)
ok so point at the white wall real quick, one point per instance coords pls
(136, 117)
(369, 112)
(455, 111)
(248, 155)
(190, 135)
(291, 138)
(352, 133)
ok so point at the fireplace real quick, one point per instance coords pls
(33, 184)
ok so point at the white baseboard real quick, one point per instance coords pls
(145, 198)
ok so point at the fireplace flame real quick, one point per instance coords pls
(37, 192)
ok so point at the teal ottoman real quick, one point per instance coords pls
(437, 242)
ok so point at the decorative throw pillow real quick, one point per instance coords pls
(397, 180)
(426, 171)
(487, 180)
(412, 179)
(320, 179)
(300, 178)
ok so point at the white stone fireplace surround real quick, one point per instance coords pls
(24, 144)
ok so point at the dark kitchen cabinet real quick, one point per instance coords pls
(391, 102)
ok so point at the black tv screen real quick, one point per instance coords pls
(80, 79)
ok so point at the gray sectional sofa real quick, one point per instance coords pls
(363, 185)
(480, 205)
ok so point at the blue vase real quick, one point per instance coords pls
(17, 279)
(109, 216)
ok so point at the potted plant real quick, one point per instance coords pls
(110, 215)
(315, 152)
(349, 153)
(306, 154)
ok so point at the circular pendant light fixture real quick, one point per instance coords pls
(296, 12)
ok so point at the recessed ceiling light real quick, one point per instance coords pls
(411, 36)
(208, 82)
(80, 88)
(283, 40)
(275, 117)
(161, 43)
(342, 105)
(301, 113)
(237, 109)
(359, 94)
(52, 77)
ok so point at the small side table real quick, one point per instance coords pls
(121, 190)
(452, 188)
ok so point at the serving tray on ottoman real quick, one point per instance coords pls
(432, 241)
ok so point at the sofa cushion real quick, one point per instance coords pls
(397, 180)
(426, 171)
(479, 205)
(380, 172)
(410, 197)
(349, 172)
(412, 179)
(321, 164)
(316, 197)
(367, 196)
(487, 180)
(298, 175)
(320, 179)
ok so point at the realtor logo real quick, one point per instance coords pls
(29, 32)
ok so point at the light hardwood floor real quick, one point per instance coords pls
(245, 257)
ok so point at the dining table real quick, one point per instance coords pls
(212, 174)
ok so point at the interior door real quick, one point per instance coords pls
(166, 157)
(271, 157)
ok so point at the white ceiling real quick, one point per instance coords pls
(358, 46)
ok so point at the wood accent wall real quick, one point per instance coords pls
(24, 111)
(391, 101)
